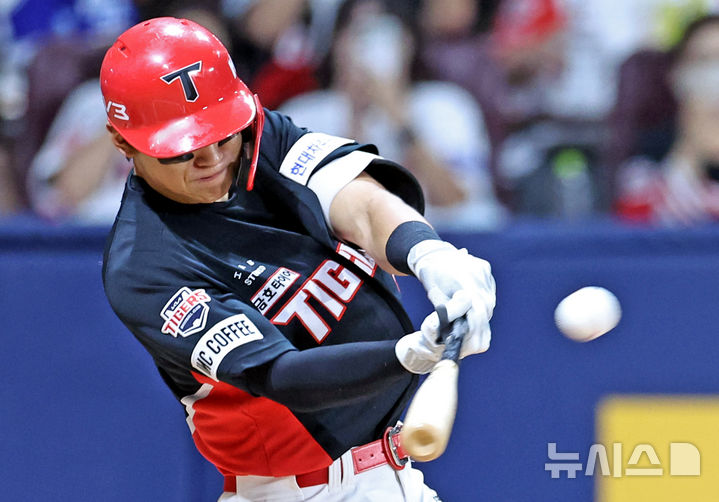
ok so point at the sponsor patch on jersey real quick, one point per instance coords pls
(273, 289)
(307, 153)
(220, 340)
(186, 312)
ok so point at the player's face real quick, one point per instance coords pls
(201, 176)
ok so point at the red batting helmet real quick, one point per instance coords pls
(170, 87)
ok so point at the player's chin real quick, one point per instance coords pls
(212, 189)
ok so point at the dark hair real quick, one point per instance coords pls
(677, 52)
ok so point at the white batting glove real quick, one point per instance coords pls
(473, 342)
(445, 270)
(419, 351)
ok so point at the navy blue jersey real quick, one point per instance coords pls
(211, 290)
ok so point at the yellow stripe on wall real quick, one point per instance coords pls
(660, 449)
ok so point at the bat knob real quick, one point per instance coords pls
(422, 442)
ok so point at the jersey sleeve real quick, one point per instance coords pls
(324, 163)
(193, 325)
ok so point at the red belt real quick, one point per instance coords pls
(387, 450)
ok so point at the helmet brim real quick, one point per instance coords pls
(197, 130)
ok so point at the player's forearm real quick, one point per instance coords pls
(325, 377)
(385, 215)
(366, 214)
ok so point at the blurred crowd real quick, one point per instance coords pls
(566, 109)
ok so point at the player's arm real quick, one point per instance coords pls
(334, 375)
(401, 240)
(326, 377)
(368, 201)
(366, 214)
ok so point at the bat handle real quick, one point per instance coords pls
(453, 340)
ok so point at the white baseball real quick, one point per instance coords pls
(587, 313)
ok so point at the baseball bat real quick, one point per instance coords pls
(431, 413)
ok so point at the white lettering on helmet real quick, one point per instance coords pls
(118, 111)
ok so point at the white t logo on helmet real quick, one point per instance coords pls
(188, 86)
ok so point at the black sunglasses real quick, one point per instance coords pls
(189, 156)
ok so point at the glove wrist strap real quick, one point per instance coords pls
(422, 250)
(403, 239)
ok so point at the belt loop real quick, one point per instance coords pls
(334, 478)
(348, 470)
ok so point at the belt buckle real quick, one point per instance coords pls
(394, 457)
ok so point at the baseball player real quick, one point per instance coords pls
(252, 258)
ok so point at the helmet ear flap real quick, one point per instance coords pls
(253, 150)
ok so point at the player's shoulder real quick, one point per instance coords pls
(139, 251)
(137, 227)
(277, 122)
(296, 152)
(279, 133)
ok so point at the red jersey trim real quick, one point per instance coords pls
(245, 435)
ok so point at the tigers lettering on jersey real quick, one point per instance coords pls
(364, 262)
(186, 312)
(333, 286)
(220, 340)
(307, 153)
